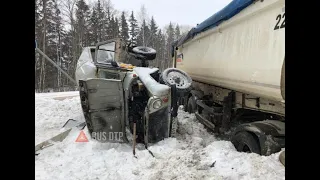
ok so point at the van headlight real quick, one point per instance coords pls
(157, 104)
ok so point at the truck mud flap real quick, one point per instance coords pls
(103, 108)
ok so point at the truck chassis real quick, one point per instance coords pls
(256, 124)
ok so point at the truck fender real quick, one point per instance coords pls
(269, 133)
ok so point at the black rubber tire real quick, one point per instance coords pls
(147, 52)
(144, 50)
(244, 141)
(180, 89)
(191, 106)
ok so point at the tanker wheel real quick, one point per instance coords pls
(191, 106)
(246, 142)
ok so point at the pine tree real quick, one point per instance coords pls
(144, 35)
(153, 33)
(46, 42)
(100, 22)
(133, 29)
(124, 28)
(140, 37)
(82, 16)
(109, 24)
(114, 25)
(161, 50)
(170, 34)
(38, 32)
(177, 33)
(170, 39)
(67, 56)
(37, 18)
(94, 25)
(59, 35)
(116, 29)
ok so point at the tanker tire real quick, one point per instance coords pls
(245, 142)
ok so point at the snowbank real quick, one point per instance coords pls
(189, 156)
(51, 114)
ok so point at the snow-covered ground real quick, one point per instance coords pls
(189, 156)
(57, 94)
(51, 114)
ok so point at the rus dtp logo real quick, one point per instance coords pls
(82, 137)
(101, 136)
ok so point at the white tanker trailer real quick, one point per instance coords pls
(236, 59)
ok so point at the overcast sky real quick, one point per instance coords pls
(183, 12)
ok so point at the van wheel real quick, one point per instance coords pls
(147, 52)
(245, 142)
(173, 76)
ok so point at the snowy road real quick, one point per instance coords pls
(189, 156)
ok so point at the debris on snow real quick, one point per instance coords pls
(212, 165)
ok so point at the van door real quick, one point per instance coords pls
(103, 106)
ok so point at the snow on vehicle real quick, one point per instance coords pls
(236, 59)
(120, 99)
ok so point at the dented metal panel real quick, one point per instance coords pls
(105, 107)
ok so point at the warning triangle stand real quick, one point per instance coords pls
(82, 137)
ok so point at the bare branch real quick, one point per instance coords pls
(143, 15)
(68, 10)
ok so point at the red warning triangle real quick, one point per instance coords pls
(82, 137)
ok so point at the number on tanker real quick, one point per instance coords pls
(280, 21)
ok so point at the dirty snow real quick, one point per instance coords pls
(189, 156)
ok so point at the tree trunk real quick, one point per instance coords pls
(42, 68)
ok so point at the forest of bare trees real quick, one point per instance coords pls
(64, 27)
